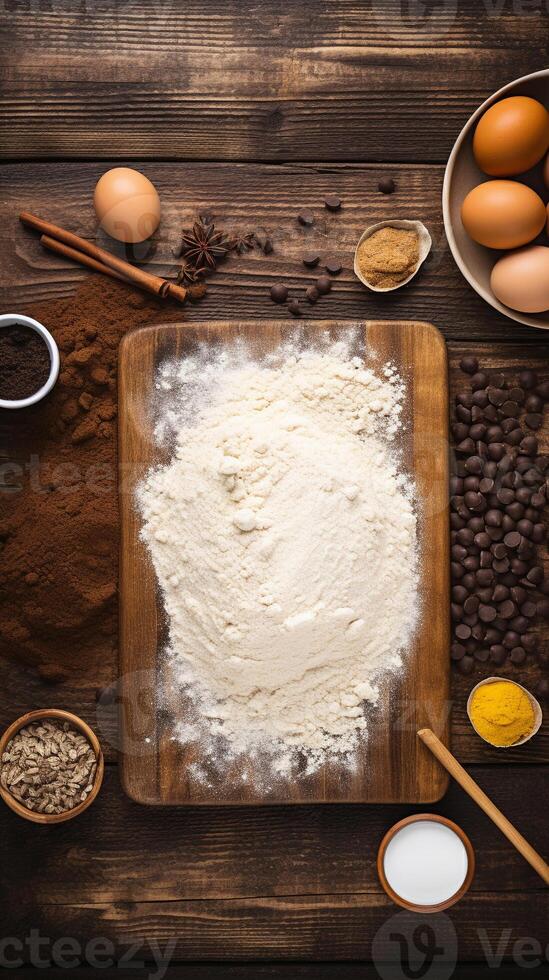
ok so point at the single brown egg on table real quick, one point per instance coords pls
(521, 279)
(127, 205)
(503, 214)
(511, 136)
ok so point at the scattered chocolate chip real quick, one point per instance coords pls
(294, 307)
(386, 185)
(332, 202)
(279, 293)
(323, 284)
(311, 259)
(333, 267)
(306, 218)
(469, 365)
(528, 379)
(533, 420)
(312, 294)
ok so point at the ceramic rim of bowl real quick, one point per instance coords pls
(14, 319)
(408, 224)
(538, 714)
(485, 294)
(463, 888)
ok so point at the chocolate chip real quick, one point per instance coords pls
(469, 365)
(457, 651)
(479, 398)
(323, 284)
(333, 267)
(279, 293)
(528, 379)
(533, 421)
(518, 655)
(306, 218)
(479, 380)
(386, 185)
(294, 307)
(332, 202)
(463, 414)
(510, 409)
(466, 665)
(512, 539)
(534, 403)
(487, 613)
(311, 259)
(543, 390)
(496, 396)
(498, 654)
(312, 294)
(463, 632)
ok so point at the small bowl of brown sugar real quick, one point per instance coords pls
(390, 253)
(29, 361)
(51, 766)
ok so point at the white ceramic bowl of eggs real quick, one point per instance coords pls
(494, 199)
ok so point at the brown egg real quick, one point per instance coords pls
(127, 205)
(521, 279)
(547, 225)
(503, 214)
(511, 136)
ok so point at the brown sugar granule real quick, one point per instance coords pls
(24, 362)
(58, 493)
(388, 256)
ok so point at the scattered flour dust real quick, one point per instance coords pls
(283, 536)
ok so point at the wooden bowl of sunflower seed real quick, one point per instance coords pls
(51, 766)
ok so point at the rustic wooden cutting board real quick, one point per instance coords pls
(393, 765)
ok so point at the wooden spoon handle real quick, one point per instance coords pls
(452, 766)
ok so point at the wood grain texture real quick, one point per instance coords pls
(325, 927)
(119, 852)
(245, 80)
(265, 199)
(419, 354)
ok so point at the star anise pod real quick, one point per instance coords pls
(242, 243)
(188, 275)
(204, 245)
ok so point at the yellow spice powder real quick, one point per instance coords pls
(388, 256)
(502, 712)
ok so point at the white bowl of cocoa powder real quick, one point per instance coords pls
(29, 361)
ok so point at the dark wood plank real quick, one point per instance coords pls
(421, 696)
(119, 852)
(320, 928)
(243, 80)
(266, 199)
(144, 968)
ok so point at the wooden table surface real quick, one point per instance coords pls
(253, 111)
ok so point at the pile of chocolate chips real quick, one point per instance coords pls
(498, 493)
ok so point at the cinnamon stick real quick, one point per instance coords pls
(80, 246)
(71, 253)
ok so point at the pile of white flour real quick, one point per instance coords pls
(283, 535)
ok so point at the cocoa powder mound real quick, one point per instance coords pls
(58, 488)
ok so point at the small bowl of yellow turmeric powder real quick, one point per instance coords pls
(503, 712)
(390, 253)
